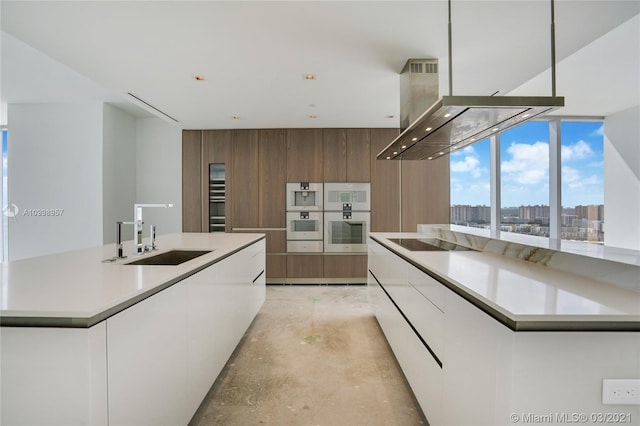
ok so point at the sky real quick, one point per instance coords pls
(524, 165)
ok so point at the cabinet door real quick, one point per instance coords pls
(335, 155)
(304, 155)
(246, 207)
(357, 163)
(272, 179)
(425, 192)
(346, 266)
(305, 265)
(385, 184)
(217, 147)
(191, 181)
(147, 359)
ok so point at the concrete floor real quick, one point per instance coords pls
(315, 355)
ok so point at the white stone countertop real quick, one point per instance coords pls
(76, 289)
(526, 296)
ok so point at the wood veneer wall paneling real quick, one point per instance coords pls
(246, 207)
(191, 181)
(272, 179)
(425, 192)
(385, 184)
(334, 155)
(304, 155)
(357, 163)
(217, 147)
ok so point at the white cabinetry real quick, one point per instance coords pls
(53, 376)
(150, 364)
(222, 303)
(147, 361)
(489, 372)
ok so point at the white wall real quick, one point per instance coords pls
(159, 173)
(622, 179)
(119, 171)
(55, 162)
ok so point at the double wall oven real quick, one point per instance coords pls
(329, 217)
(346, 217)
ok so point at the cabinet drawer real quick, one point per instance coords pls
(427, 286)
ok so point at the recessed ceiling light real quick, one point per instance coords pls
(388, 158)
(309, 76)
(395, 152)
(447, 115)
(403, 146)
(495, 129)
(526, 115)
(389, 116)
(430, 158)
(414, 139)
(442, 153)
(313, 116)
(428, 129)
(199, 77)
(236, 117)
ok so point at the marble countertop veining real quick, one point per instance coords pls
(525, 295)
(76, 289)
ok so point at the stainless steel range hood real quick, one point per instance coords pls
(453, 122)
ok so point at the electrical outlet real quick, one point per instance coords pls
(621, 392)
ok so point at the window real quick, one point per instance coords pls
(524, 176)
(524, 196)
(470, 188)
(582, 166)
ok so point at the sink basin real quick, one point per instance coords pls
(173, 257)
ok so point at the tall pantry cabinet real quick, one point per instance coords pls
(259, 163)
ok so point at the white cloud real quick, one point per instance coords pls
(578, 151)
(528, 165)
(469, 164)
(599, 131)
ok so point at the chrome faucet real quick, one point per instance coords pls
(119, 250)
(137, 226)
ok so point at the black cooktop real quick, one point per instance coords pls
(428, 244)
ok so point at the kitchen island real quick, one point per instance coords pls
(90, 342)
(497, 337)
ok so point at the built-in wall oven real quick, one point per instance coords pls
(346, 231)
(346, 217)
(304, 217)
(306, 196)
(304, 231)
(355, 196)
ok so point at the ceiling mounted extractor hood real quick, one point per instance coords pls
(453, 122)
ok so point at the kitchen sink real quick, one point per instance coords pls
(172, 257)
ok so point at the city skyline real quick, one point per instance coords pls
(525, 167)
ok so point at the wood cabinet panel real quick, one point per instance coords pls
(191, 181)
(334, 155)
(425, 192)
(304, 155)
(305, 265)
(276, 266)
(358, 165)
(272, 178)
(217, 147)
(385, 184)
(246, 207)
(345, 266)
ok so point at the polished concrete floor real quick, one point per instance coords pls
(315, 355)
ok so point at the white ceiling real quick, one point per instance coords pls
(254, 55)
